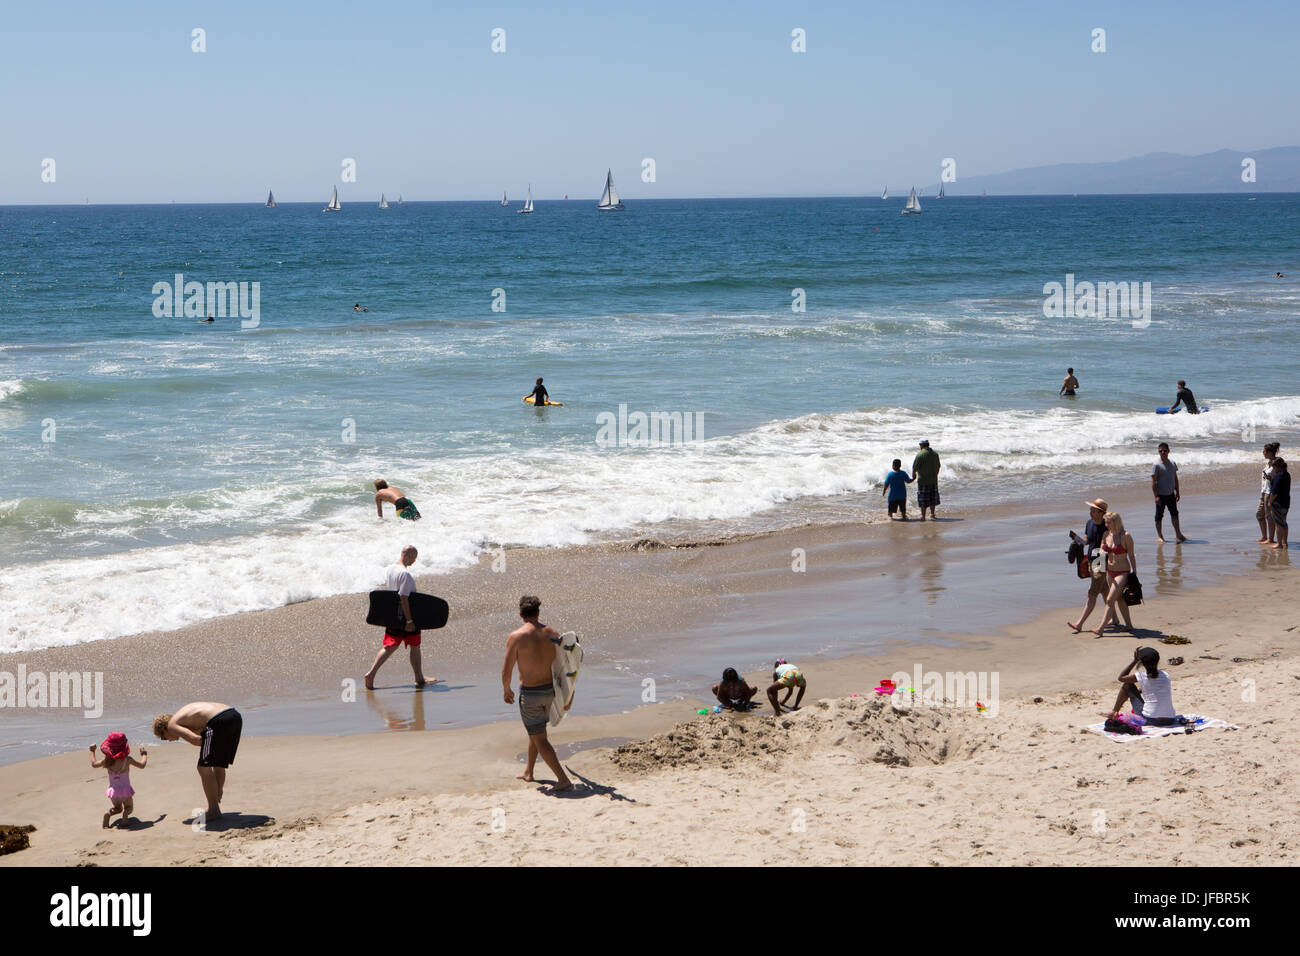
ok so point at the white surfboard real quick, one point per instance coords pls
(564, 674)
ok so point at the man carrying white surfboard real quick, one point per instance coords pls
(533, 648)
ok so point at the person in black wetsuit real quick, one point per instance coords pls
(540, 396)
(1185, 398)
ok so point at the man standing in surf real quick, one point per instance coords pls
(532, 648)
(403, 505)
(925, 472)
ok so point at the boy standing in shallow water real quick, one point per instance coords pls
(896, 483)
(532, 648)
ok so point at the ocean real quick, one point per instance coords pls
(156, 471)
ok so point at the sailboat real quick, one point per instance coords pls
(334, 204)
(504, 200)
(528, 203)
(270, 200)
(609, 198)
(383, 203)
(940, 196)
(399, 199)
(885, 194)
(986, 194)
(913, 206)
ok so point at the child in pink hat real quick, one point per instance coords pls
(118, 760)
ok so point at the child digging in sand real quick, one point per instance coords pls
(118, 760)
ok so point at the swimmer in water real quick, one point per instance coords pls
(540, 395)
(1069, 385)
(404, 506)
(1185, 399)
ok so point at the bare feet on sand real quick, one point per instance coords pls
(526, 776)
(1077, 628)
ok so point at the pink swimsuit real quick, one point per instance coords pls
(119, 786)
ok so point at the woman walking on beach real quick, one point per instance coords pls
(1121, 561)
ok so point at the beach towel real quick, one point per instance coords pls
(1196, 725)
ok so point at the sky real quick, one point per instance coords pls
(711, 91)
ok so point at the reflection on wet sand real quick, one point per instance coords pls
(404, 710)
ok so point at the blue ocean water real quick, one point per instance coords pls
(140, 454)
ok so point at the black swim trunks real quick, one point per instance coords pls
(221, 739)
(1166, 501)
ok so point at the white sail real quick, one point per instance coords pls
(528, 203)
(609, 198)
(383, 203)
(399, 199)
(913, 204)
(885, 194)
(504, 200)
(270, 200)
(334, 204)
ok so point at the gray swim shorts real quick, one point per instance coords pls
(535, 707)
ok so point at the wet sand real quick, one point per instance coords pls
(672, 615)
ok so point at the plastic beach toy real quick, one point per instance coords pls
(717, 709)
(702, 710)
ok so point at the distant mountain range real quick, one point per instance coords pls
(1277, 170)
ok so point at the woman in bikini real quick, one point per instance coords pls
(1117, 545)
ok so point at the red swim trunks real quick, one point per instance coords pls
(412, 638)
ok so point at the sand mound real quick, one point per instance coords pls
(869, 730)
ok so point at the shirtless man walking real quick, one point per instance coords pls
(214, 729)
(403, 505)
(532, 648)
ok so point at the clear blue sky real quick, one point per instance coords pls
(711, 91)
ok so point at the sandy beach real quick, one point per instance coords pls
(858, 781)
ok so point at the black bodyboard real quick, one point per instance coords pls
(430, 612)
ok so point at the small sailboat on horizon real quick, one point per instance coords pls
(383, 203)
(913, 206)
(885, 194)
(270, 200)
(609, 201)
(334, 205)
(504, 200)
(940, 196)
(528, 203)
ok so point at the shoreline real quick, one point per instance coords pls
(675, 613)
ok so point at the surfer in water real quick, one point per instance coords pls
(1069, 385)
(532, 648)
(540, 395)
(404, 506)
(1185, 398)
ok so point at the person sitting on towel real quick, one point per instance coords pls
(1148, 690)
(732, 691)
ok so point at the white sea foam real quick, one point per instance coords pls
(10, 387)
(317, 538)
